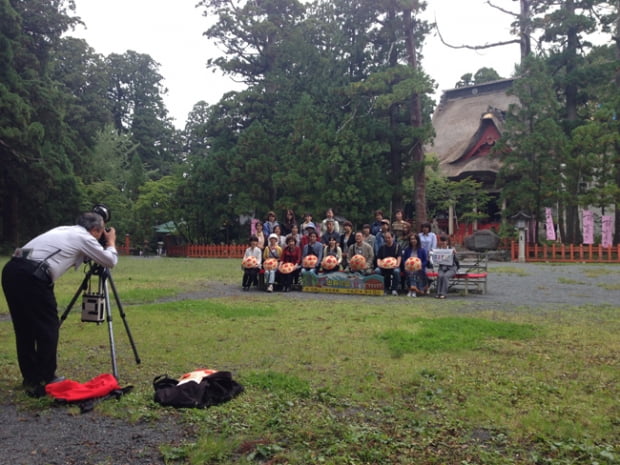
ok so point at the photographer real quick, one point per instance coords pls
(28, 284)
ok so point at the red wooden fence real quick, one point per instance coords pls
(533, 252)
(567, 253)
(206, 251)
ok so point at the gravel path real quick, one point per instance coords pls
(509, 285)
(55, 436)
(545, 285)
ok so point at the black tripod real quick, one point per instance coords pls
(96, 307)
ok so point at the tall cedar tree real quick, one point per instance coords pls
(565, 26)
(533, 144)
(35, 143)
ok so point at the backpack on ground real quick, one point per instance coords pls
(213, 389)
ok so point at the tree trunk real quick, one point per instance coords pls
(525, 30)
(573, 231)
(617, 38)
(419, 171)
(10, 217)
(396, 160)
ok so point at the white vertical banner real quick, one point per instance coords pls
(607, 225)
(549, 225)
(588, 227)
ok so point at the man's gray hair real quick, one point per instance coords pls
(90, 221)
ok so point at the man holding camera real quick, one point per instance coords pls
(28, 284)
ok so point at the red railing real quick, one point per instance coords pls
(567, 253)
(533, 252)
(125, 249)
(206, 251)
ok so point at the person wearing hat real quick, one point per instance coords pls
(273, 250)
(308, 228)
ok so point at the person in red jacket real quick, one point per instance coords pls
(290, 254)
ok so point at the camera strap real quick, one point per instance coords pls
(41, 271)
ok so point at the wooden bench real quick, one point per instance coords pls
(471, 275)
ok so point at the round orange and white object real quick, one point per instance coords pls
(310, 261)
(249, 262)
(413, 264)
(270, 264)
(329, 263)
(196, 375)
(388, 263)
(357, 262)
(286, 268)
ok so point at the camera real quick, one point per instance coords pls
(103, 211)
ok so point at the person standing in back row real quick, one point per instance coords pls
(428, 239)
(28, 283)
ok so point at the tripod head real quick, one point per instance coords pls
(96, 269)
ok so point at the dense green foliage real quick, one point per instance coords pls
(335, 113)
(561, 147)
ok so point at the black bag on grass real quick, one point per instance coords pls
(213, 389)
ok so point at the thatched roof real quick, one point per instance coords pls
(460, 120)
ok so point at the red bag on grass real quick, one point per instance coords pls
(72, 391)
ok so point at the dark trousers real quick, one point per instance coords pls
(250, 277)
(32, 305)
(288, 279)
(391, 279)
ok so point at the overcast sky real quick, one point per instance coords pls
(171, 33)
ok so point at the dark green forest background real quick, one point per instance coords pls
(336, 113)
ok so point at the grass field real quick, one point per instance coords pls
(366, 380)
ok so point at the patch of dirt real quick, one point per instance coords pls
(57, 436)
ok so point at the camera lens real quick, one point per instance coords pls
(103, 211)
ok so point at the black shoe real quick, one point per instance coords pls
(35, 390)
(56, 379)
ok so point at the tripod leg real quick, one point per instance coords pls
(104, 285)
(75, 297)
(122, 313)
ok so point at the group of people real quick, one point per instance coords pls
(380, 243)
